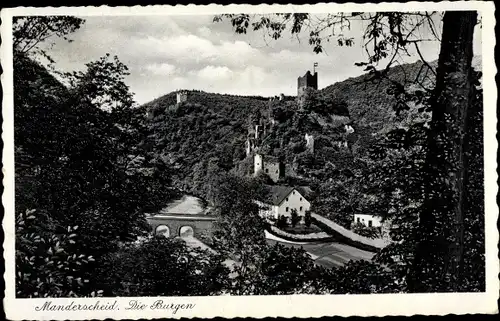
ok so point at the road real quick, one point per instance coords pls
(326, 254)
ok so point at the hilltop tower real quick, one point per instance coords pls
(306, 83)
(181, 96)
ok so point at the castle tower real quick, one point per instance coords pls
(258, 163)
(249, 146)
(271, 166)
(306, 83)
(258, 131)
(181, 96)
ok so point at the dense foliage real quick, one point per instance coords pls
(81, 170)
(202, 136)
(159, 266)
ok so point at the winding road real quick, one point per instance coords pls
(326, 254)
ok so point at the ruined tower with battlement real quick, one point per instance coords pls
(181, 96)
(304, 84)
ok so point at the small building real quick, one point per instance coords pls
(367, 220)
(282, 200)
(271, 166)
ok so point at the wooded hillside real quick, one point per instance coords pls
(208, 132)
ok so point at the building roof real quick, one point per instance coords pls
(277, 193)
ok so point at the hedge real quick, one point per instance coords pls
(311, 237)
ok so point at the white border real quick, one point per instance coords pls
(268, 306)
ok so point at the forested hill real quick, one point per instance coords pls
(207, 133)
(371, 102)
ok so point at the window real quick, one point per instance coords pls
(301, 199)
(293, 192)
(358, 220)
(301, 208)
(287, 199)
(267, 170)
(286, 209)
(370, 223)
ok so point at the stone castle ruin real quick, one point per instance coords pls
(259, 126)
(305, 84)
(271, 166)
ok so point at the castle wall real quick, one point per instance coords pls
(273, 170)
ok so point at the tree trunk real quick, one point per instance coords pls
(439, 252)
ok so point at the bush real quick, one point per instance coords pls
(295, 217)
(307, 218)
(323, 236)
(367, 231)
(302, 229)
(282, 222)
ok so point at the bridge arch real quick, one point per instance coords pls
(186, 230)
(178, 223)
(162, 230)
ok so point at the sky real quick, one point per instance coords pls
(168, 53)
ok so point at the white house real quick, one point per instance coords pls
(281, 201)
(368, 220)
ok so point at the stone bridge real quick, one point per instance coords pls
(179, 224)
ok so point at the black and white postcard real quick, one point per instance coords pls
(249, 161)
